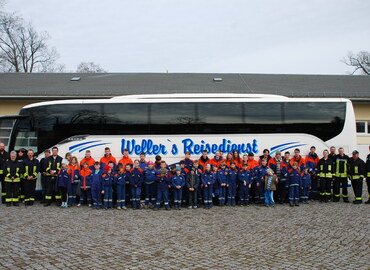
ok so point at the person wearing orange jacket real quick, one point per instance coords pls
(298, 158)
(104, 161)
(90, 161)
(216, 161)
(251, 162)
(85, 194)
(204, 160)
(266, 155)
(237, 159)
(125, 160)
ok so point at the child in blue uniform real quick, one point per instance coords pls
(150, 177)
(63, 184)
(232, 178)
(107, 185)
(245, 180)
(120, 183)
(136, 181)
(96, 186)
(259, 173)
(208, 179)
(294, 178)
(178, 182)
(306, 185)
(222, 183)
(163, 184)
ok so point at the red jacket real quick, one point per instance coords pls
(90, 161)
(106, 160)
(125, 160)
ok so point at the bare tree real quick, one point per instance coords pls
(89, 67)
(360, 61)
(23, 49)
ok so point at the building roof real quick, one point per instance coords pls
(99, 85)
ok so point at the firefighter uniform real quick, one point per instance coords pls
(368, 176)
(326, 173)
(31, 170)
(4, 156)
(52, 170)
(13, 172)
(340, 178)
(356, 172)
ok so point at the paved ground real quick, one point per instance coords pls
(325, 236)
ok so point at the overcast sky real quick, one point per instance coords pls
(261, 36)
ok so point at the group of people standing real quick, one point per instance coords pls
(222, 180)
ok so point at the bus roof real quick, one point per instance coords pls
(179, 98)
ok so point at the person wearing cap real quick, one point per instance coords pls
(208, 179)
(356, 173)
(107, 157)
(368, 176)
(150, 185)
(90, 161)
(125, 159)
(4, 156)
(280, 169)
(178, 182)
(270, 181)
(341, 176)
(325, 170)
(107, 187)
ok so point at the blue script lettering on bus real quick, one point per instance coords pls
(146, 146)
(226, 146)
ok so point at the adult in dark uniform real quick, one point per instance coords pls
(13, 172)
(356, 172)
(4, 156)
(52, 170)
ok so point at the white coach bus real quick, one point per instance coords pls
(171, 124)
